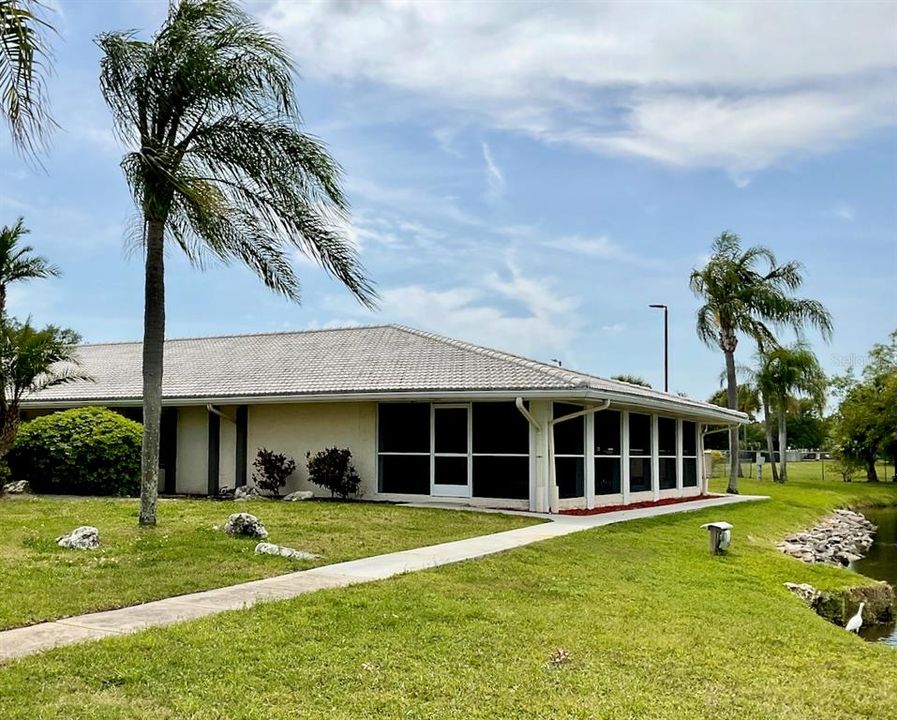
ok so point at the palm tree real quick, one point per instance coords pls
(219, 168)
(784, 373)
(31, 360)
(742, 297)
(17, 263)
(24, 60)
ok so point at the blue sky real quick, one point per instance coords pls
(528, 177)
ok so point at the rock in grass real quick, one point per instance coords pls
(245, 525)
(299, 495)
(81, 538)
(17, 488)
(248, 492)
(271, 549)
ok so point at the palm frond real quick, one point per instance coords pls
(25, 61)
(218, 154)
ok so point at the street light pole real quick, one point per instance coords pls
(666, 346)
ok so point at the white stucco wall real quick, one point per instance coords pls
(296, 429)
(193, 450)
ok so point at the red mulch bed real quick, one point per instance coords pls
(633, 506)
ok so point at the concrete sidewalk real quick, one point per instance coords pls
(36, 638)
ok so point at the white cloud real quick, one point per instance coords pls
(614, 329)
(598, 248)
(495, 179)
(512, 311)
(736, 85)
(844, 212)
(745, 134)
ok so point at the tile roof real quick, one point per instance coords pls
(385, 359)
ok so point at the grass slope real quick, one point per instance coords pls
(655, 628)
(185, 553)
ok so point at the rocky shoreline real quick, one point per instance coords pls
(840, 539)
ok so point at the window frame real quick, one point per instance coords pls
(431, 454)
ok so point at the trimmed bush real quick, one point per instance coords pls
(332, 469)
(272, 470)
(85, 451)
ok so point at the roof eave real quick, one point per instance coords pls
(673, 405)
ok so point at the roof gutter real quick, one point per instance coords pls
(680, 408)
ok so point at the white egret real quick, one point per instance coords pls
(856, 622)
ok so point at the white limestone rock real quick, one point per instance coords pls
(245, 525)
(85, 537)
(248, 492)
(17, 488)
(299, 495)
(272, 549)
(839, 539)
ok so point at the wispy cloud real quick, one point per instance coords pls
(597, 248)
(510, 310)
(495, 179)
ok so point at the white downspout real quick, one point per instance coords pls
(537, 503)
(212, 409)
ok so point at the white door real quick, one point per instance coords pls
(451, 471)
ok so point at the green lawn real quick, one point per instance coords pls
(186, 553)
(655, 628)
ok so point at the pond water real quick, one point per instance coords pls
(881, 563)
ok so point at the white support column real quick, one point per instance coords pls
(624, 476)
(590, 461)
(703, 482)
(680, 488)
(541, 412)
(655, 459)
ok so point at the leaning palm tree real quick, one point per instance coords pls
(219, 167)
(784, 374)
(17, 262)
(24, 62)
(741, 297)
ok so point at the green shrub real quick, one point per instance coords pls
(85, 451)
(272, 470)
(332, 469)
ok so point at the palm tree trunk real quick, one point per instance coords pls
(153, 340)
(2, 301)
(783, 443)
(732, 392)
(770, 447)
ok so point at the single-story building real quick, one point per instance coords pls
(426, 417)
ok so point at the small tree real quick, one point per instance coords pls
(30, 361)
(332, 469)
(272, 470)
(17, 263)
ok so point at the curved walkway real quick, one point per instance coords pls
(20, 642)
